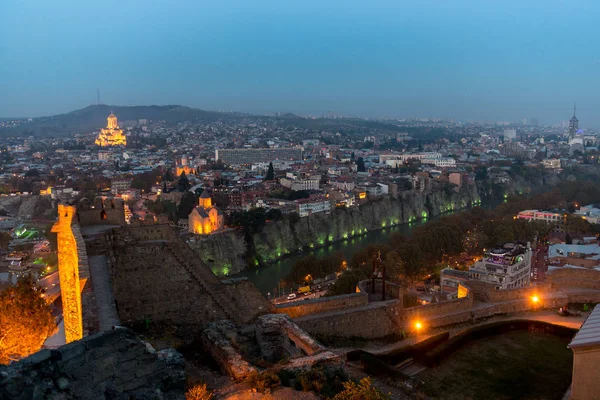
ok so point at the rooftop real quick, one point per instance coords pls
(589, 333)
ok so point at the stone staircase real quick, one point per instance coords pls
(204, 276)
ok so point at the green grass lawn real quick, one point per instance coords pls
(512, 365)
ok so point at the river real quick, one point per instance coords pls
(266, 278)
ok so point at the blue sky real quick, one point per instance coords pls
(487, 59)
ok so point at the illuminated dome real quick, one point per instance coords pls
(111, 135)
(112, 121)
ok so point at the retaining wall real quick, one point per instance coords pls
(314, 306)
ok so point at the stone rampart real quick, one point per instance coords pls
(561, 278)
(392, 290)
(158, 277)
(409, 315)
(323, 304)
(373, 321)
(107, 211)
(520, 293)
(113, 364)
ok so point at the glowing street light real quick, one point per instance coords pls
(418, 326)
(535, 299)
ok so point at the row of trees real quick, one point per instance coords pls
(310, 267)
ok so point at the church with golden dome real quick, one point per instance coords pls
(112, 135)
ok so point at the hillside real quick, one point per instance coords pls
(93, 117)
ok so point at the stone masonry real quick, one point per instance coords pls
(110, 365)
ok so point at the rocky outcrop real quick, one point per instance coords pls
(227, 252)
(109, 365)
(223, 252)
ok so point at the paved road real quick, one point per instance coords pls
(105, 301)
(539, 265)
(51, 283)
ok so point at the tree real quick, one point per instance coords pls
(360, 165)
(187, 204)
(183, 184)
(270, 173)
(25, 320)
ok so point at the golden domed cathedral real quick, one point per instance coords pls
(111, 135)
(205, 218)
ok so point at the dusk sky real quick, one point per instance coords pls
(484, 60)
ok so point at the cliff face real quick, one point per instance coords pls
(226, 253)
(223, 252)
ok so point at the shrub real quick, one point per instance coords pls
(325, 381)
(363, 390)
(264, 381)
(313, 379)
(198, 392)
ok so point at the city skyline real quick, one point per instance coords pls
(466, 61)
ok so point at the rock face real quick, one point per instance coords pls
(227, 253)
(110, 365)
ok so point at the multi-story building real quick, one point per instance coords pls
(590, 213)
(252, 156)
(507, 267)
(313, 205)
(551, 163)
(510, 135)
(551, 217)
(118, 186)
(295, 183)
(394, 160)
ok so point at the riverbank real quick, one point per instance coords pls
(231, 252)
(266, 278)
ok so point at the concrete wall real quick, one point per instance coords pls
(113, 364)
(315, 306)
(586, 384)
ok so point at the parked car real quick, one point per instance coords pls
(291, 296)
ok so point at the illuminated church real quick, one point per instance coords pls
(205, 218)
(111, 135)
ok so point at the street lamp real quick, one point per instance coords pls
(418, 326)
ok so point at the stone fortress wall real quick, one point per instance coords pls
(314, 306)
(381, 319)
(112, 364)
(109, 211)
(156, 276)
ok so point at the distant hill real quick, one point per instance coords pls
(93, 117)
